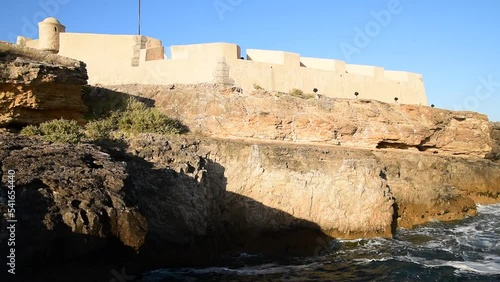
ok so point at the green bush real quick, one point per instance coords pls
(31, 130)
(57, 130)
(138, 118)
(300, 94)
(257, 87)
(119, 114)
(101, 129)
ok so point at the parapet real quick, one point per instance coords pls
(204, 51)
(396, 75)
(273, 57)
(323, 64)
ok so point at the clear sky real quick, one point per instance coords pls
(454, 44)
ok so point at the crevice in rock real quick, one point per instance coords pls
(76, 203)
(85, 219)
(90, 161)
(401, 146)
(395, 216)
(395, 145)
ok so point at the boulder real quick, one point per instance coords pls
(36, 86)
(72, 197)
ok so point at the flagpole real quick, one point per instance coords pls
(139, 21)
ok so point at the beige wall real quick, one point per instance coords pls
(331, 79)
(274, 57)
(119, 59)
(323, 64)
(205, 51)
(106, 56)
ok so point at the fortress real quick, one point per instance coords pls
(136, 59)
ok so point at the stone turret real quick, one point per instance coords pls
(49, 30)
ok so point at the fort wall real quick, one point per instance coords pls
(125, 59)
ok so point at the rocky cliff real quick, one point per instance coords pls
(495, 135)
(348, 193)
(220, 112)
(63, 191)
(37, 86)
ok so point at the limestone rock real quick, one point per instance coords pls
(71, 196)
(347, 193)
(36, 86)
(367, 124)
(495, 135)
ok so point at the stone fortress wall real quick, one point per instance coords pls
(132, 59)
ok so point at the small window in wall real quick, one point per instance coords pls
(55, 29)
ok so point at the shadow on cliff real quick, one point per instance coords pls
(192, 221)
(102, 101)
(57, 254)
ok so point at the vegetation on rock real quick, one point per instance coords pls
(108, 115)
(58, 131)
(300, 94)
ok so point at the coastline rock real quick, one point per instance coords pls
(220, 112)
(495, 135)
(70, 196)
(37, 86)
(187, 200)
(348, 193)
(311, 184)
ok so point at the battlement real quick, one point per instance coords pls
(124, 59)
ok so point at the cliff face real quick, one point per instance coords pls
(495, 135)
(181, 200)
(321, 120)
(308, 183)
(36, 86)
(348, 193)
(71, 197)
(394, 183)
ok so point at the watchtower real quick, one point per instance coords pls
(48, 35)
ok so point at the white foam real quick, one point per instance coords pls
(484, 267)
(366, 260)
(269, 268)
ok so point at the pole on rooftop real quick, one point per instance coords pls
(139, 22)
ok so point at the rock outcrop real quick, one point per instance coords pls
(495, 135)
(316, 185)
(348, 193)
(368, 124)
(37, 86)
(183, 200)
(71, 197)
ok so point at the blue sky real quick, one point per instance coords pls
(454, 44)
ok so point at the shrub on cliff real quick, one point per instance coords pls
(101, 129)
(57, 130)
(130, 116)
(102, 103)
(300, 94)
(138, 118)
(257, 87)
(109, 113)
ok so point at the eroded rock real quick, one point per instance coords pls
(69, 198)
(36, 86)
(371, 124)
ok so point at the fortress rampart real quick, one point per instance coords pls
(128, 59)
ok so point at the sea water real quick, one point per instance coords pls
(467, 250)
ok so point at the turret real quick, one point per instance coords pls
(49, 30)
